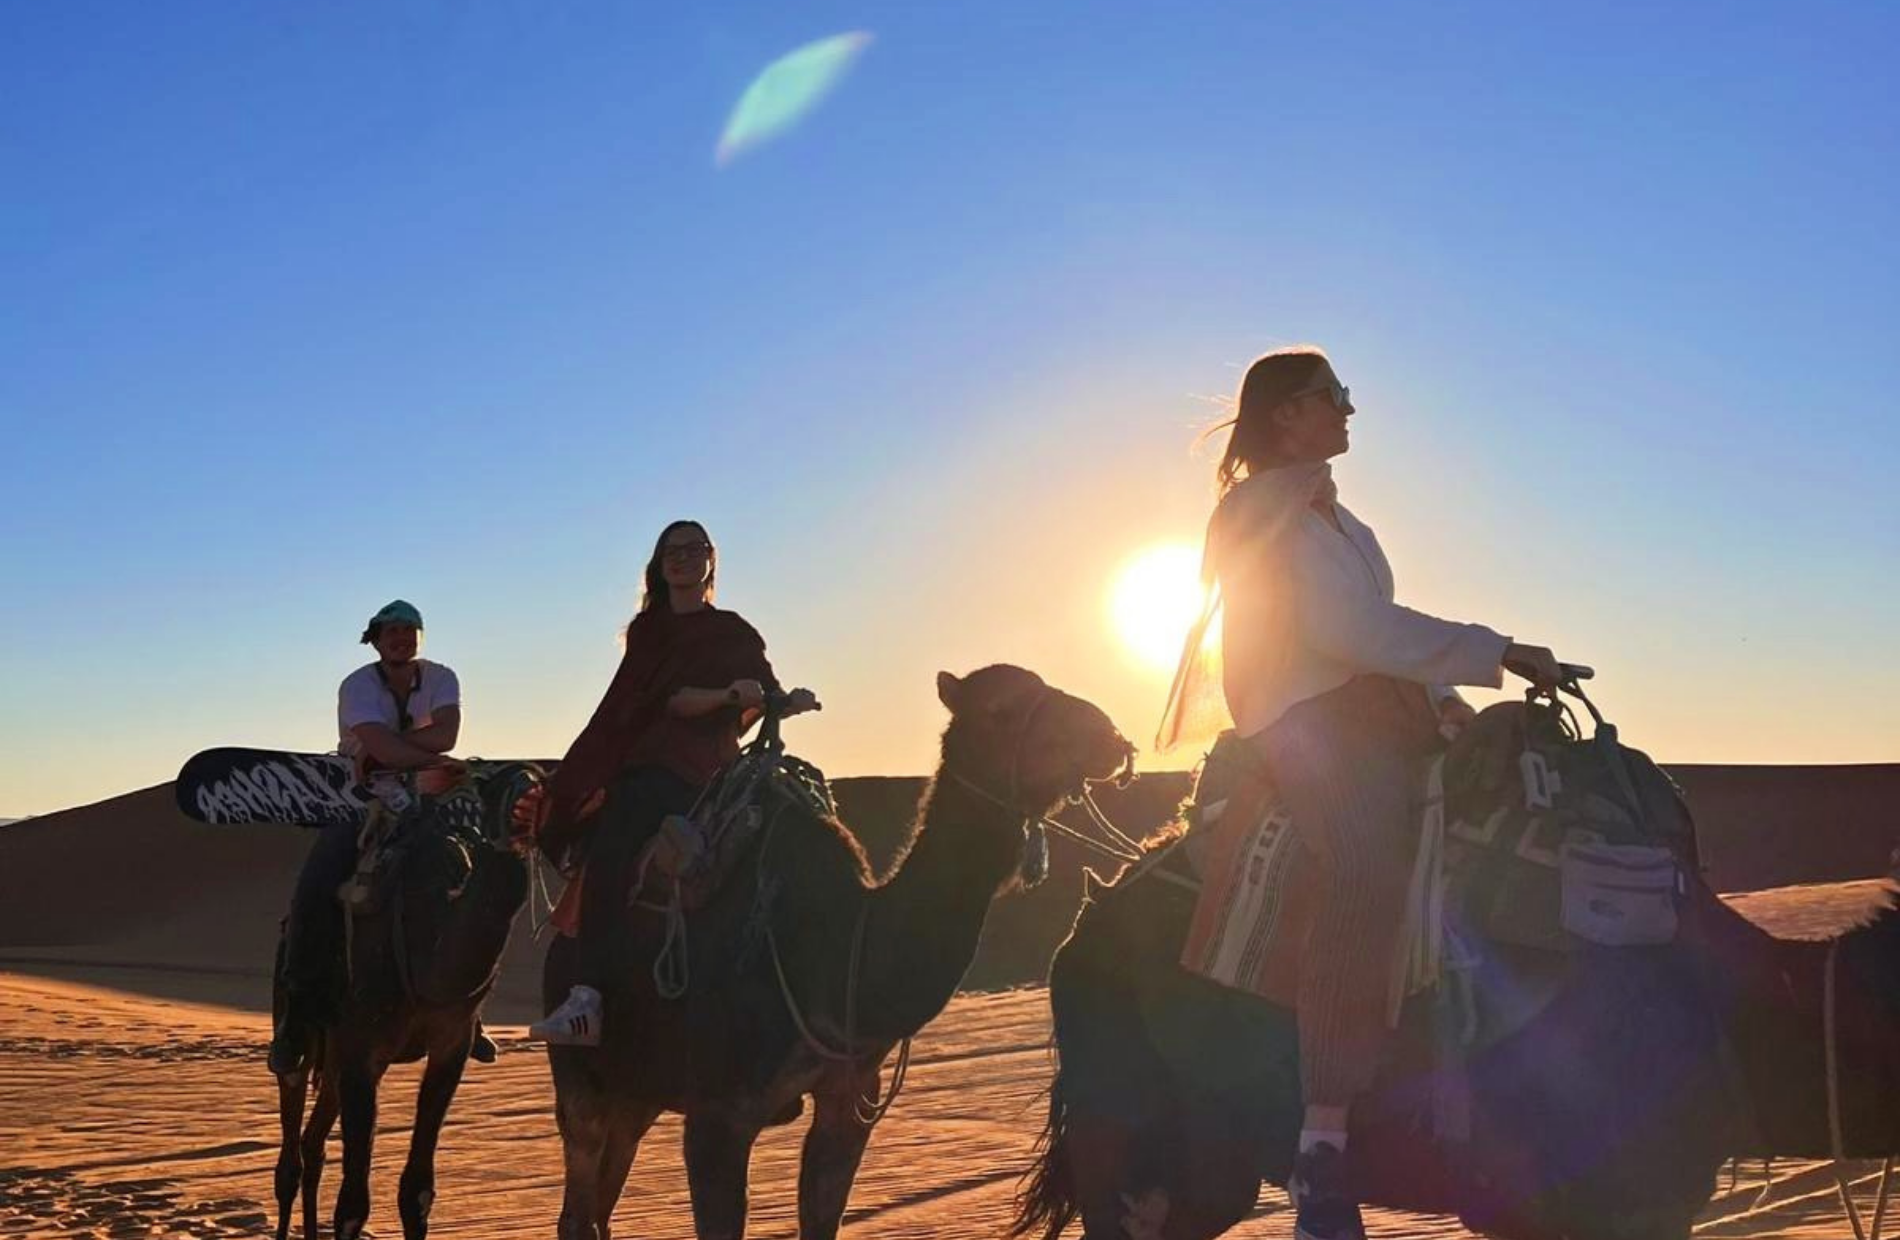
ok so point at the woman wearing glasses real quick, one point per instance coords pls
(690, 684)
(1339, 690)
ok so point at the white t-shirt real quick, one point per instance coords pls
(364, 698)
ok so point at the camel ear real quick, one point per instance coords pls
(947, 689)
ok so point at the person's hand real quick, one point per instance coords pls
(798, 701)
(746, 694)
(1454, 716)
(1534, 663)
(530, 812)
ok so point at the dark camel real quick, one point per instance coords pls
(866, 963)
(1604, 1117)
(421, 964)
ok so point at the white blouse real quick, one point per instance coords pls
(1342, 623)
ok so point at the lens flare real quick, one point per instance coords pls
(1155, 600)
(787, 91)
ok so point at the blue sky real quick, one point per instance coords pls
(312, 308)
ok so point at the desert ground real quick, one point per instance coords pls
(134, 1101)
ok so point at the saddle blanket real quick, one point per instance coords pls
(1257, 899)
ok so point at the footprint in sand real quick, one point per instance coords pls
(245, 1224)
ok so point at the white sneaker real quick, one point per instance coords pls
(575, 1023)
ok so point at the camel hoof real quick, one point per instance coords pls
(1146, 1216)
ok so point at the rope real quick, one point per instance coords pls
(1088, 841)
(791, 1005)
(1151, 867)
(672, 970)
(1767, 1181)
(877, 1108)
(1127, 850)
(540, 898)
(1113, 833)
(1837, 1146)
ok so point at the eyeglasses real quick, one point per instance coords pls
(687, 551)
(1340, 394)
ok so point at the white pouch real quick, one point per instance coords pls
(1619, 895)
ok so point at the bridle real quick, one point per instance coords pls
(1114, 843)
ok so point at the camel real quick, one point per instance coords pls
(420, 965)
(1605, 1116)
(806, 970)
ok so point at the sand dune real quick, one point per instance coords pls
(129, 892)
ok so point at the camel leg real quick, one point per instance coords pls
(316, 1134)
(290, 1099)
(718, 1159)
(834, 1145)
(1098, 1152)
(1219, 1183)
(415, 1192)
(616, 1160)
(581, 1114)
(356, 1083)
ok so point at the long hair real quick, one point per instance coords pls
(653, 586)
(1254, 444)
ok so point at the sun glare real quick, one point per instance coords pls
(1154, 602)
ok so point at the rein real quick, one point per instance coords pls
(1118, 846)
(1114, 844)
(1837, 1146)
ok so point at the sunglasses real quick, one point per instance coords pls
(1339, 393)
(687, 551)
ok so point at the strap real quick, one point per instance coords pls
(404, 721)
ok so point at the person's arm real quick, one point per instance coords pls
(391, 750)
(690, 703)
(440, 735)
(1341, 618)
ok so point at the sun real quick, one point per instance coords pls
(1155, 600)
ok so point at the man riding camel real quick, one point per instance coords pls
(397, 718)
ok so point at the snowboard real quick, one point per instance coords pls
(269, 785)
(230, 786)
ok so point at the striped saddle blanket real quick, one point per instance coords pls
(1257, 900)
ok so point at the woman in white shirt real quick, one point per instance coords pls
(1340, 691)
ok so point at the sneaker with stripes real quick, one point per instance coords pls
(575, 1023)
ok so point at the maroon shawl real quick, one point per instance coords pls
(666, 651)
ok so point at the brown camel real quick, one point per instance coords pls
(806, 970)
(420, 965)
(1605, 1116)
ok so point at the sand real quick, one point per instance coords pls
(126, 1115)
(134, 967)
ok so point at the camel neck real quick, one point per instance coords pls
(925, 920)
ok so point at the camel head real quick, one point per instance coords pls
(1025, 743)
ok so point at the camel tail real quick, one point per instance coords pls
(1045, 1199)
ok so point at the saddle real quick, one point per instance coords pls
(1530, 835)
(692, 855)
(471, 813)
